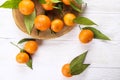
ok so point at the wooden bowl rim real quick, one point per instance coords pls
(15, 13)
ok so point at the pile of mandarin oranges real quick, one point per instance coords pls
(43, 22)
(57, 16)
(30, 47)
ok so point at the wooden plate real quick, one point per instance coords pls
(18, 18)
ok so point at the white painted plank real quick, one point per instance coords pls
(101, 74)
(97, 74)
(106, 6)
(53, 71)
(101, 54)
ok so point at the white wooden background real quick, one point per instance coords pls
(104, 56)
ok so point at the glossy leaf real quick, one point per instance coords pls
(79, 58)
(79, 1)
(56, 1)
(25, 39)
(59, 7)
(97, 33)
(77, 66)
(10, 4)
(29, 63)
(84, 21)
(42, 1)
(29, 21)
(75, 7)
(79, 69)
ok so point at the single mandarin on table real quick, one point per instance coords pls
(42, 22)
(68, 19)
(57, 25)
(66, 2)
(86, 36)
(31, 47)
(48, 5)
(22, 57)
(26, 7)
(66, 70)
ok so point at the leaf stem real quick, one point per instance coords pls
(80, 27)
(15, 45)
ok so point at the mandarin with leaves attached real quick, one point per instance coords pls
(66, 70)
(31, 47)
(86, 36)
(68, 19)
(57, 25)
(42, 22)
(22, 57)
(26, 7)
(48, 5)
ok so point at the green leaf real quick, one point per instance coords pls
(29, 63)
(79, 59)
(77, 66)
(59, 7)
(79, 1)
(75, 7)
(97, 33)
(79, 69)
(84, 21)
(42, 1)
(29, 21)
(56, 1)
(10, 4)
(25, 39)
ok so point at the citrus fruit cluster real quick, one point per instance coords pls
(85, 36)
(44, 22)
(29, 49)
(57, 14)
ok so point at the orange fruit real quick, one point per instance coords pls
(57, 25)
(31, 47)
(68, 19)
(66, 70)
(22, 57)
(48, 5)
(66, 2)
(86, 36)
(42, 22)
(26, 7)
